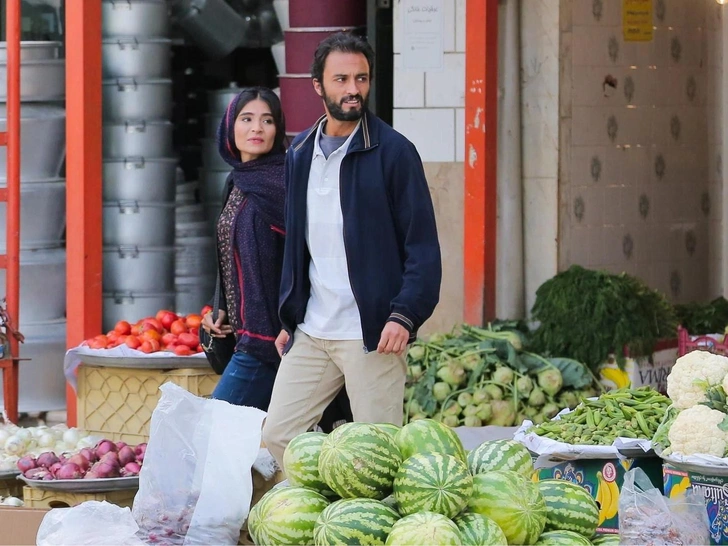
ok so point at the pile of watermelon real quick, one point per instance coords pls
(369, 484)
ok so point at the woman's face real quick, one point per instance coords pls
(255, 130)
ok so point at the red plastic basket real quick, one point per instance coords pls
(687, 343)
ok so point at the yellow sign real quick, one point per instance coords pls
(637, 20)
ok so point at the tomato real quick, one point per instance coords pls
(146, 347)
(178, 327)
(156, 346)
(135, 330)
(193, 322)
(167, 319)
(198, 349)
(160, 314)
(123, 327)
(112, 336)
(206, 309)
(182, 350)
(133, 342)
(148, 335)
(152, 324)
(191, 340)
(167, 339)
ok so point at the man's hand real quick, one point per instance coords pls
(217, 328)
(394, 339)
(281, 341)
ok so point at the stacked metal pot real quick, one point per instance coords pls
(139, 170)
(42, 222)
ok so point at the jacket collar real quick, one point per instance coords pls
(364, 139)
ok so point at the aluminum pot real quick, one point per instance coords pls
(212, 185)
(211, 158)
(301, 44)
(212, 24)
(42, 214)
(130, 99)
(138, 223)
(132, 306)
(41, 383)
(187, 193)
(140, 179)
(43, 284)
(132, 57)
(299, 101)
(185, 230)
(193, 293)
(219, 99)
(327, 13)
(134, 18)
(42, 130)
(279, 56)
(138, 138)
(137, 268)
(282, 13)
(33, 51)
(190, 213)
(194, 256)
(40, 81)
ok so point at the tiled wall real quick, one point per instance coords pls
(640, 183)
(429, 110)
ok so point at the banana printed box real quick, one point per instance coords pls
(714, 490)
(603, 479)
(649, 371)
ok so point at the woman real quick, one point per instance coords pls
(250, 245)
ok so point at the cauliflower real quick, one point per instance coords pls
(692, 375)
(697, 430)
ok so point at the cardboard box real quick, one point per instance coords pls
(648, 371)
(592, 474)
(714, 490)
(19, 526)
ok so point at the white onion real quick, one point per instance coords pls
(87, 441)
(37, 432)
(8, 462)
(12, 501)
(71, 437)
(4, 435)
(46, 440)
(24, 434)
(14, 445)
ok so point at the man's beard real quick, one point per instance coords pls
(337, 110)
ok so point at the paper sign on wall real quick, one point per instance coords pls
(637, 20)
(422, 40)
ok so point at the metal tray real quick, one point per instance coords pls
(6, 474)
(156, 363)
(84, 486)
(708, 470)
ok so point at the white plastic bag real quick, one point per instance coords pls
(195, 486)
(648, 518)
(91, 523)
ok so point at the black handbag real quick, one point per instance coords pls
(218, 350)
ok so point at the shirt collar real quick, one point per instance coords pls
(317, 140)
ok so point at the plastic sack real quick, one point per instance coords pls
(196, 485)
(648, 518)
(91, 523)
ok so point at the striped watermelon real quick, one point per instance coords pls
(432, 482)
(300, 461)
(286, 515)
(513, 502)
(605, 540)
(389, 428)
(569, 507)
(354, 521)
(477, 530)
(424, 528)
(391, 502)
(562, 538)
(359, 460)
(429, 436)
(500, 455)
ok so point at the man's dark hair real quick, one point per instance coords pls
(343, 42)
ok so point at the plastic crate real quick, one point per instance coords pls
(36, 498)
(11, 487)
(117, 403)
(710, 342)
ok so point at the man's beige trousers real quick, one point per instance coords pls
(311, 375)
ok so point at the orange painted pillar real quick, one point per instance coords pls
(83, 174)
(481, 106)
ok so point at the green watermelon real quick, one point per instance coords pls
(432, 482)
(513, 502)
(429, 436)
(359, 460)
(286, 515)
(424, 528)
(478, 530)
(569, 507)
(354, 521)
(500, 455)
(605, 540)
(389, 428)
(562, 538)
(300, 461)
(391, 502)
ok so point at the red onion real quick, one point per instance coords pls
(80, 461)
(35, 473)
(47, 459)
(69, 471)
(133, 468)
(105, 470)
(91, 475)
(55, 467)
(111, 458)
(126, 455)
(119, 445)
(105, 446)
(26, 463)
(48, 477)
(140, 451)
(89, 454)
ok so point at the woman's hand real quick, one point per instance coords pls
(281, 342)
(217, 328)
